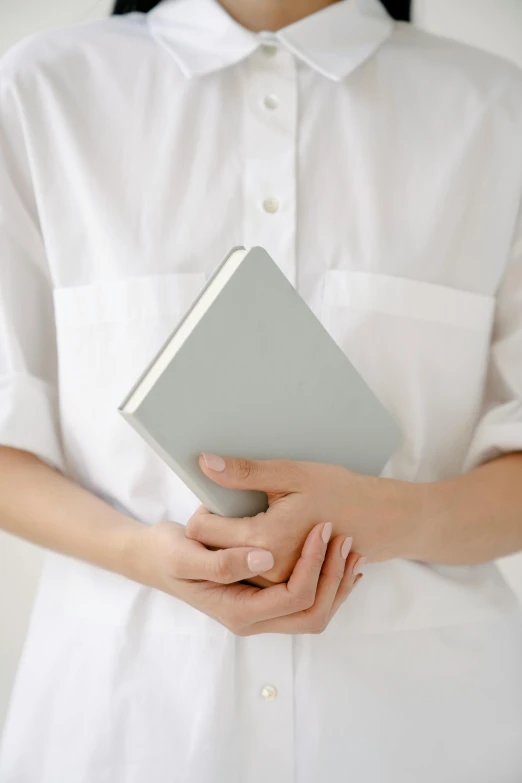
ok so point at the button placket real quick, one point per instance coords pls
(265, 663)
(270, 138)
(264, 666)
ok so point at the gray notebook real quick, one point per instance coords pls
(251, 372)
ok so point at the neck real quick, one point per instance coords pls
(259, 15)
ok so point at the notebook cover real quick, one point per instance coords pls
(260, 377)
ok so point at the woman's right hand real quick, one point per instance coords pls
(161, 556)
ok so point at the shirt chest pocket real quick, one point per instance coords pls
(107, 333)
(423, 348)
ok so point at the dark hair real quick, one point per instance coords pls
(399, 9)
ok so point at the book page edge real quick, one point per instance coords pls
(183, 330)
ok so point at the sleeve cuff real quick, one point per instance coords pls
(29, 418)
(499, 433)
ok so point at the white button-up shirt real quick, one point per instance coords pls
(382, 169)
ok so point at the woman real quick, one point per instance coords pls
(382, 169)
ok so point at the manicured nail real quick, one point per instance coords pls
(214, 462)
(359, 564)
(347, 545)
(357, 579)
(327, 532)
(260, 560)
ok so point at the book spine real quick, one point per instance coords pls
(207, 285)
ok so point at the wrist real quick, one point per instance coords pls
(423, 520)
(396, 515)
(406, 510)
(125, 547)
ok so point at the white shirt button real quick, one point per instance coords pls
(269, 50)
(269, 693)
(271, 101)
(271, 205)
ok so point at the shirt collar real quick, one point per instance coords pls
(203, 38)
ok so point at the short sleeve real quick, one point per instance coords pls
(28, 366)
(499, 430)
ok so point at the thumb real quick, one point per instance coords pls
(266, 475)
(225, 566)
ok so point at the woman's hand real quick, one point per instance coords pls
(161, 556)
(380, 514)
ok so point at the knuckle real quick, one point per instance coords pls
(245, 469)
(257, 532)
(240, 631)
(317, 624)
(337, 577)
(236, 624)
(317, 628)
(334, 580)
(257, 538)
(292, 473)
(305, 601)
(236, 619)
(316, 561)
(221, 568)
(192, 528)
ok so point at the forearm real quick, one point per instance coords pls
(472, 518)
(41, 505)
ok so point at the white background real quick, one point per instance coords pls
(492, 24)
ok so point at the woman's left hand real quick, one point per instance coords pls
(381, 515)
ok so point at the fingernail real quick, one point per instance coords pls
(347, 545)
(327, 532)
(357, 579)
(214, 462)
(359, 564)
(260, 560)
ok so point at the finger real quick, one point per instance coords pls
(307, 571)
(259, 581)
(316, 618)
(213, 530)
(330, 580)
(223, 566)
(239, 606)
(293, 596)
(348, 582)
(271, 475)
